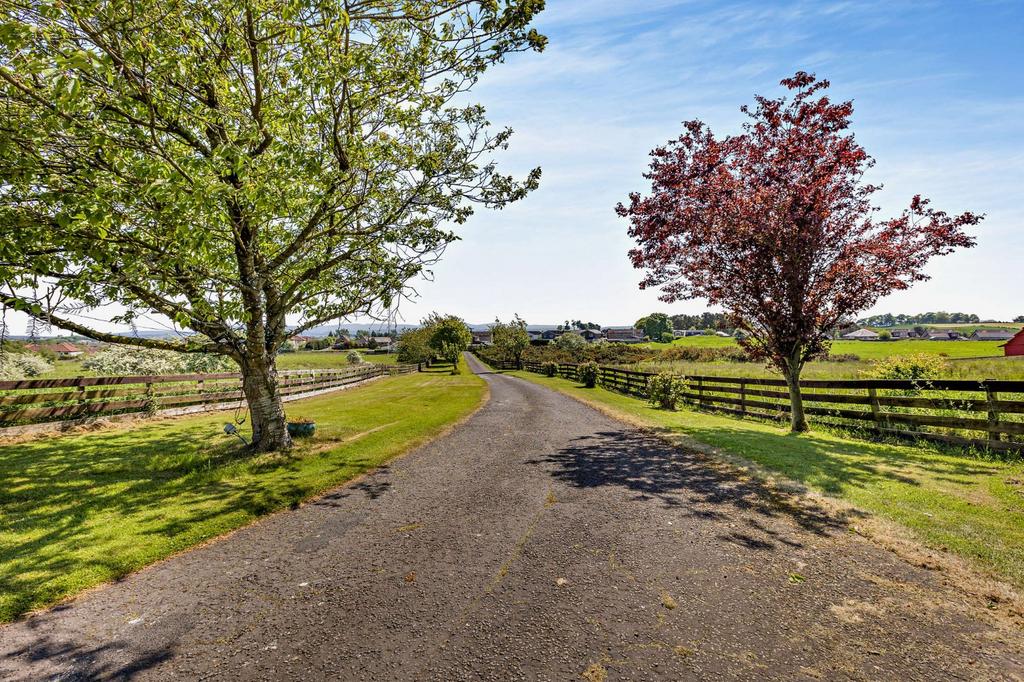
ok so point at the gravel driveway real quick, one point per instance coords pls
(538, 540)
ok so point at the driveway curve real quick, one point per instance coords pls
(538, 540)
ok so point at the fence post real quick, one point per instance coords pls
(876, 409)
(700, 393)
(743, 399)
(993, 414)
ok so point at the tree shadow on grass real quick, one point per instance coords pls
(107, 503)
(690, 482)
(837, 464)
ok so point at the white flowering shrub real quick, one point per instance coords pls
(14, 366)
(128, 360)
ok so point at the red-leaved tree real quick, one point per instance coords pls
(775, 225)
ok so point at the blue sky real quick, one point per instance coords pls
(939, 103)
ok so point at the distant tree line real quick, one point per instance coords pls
(941, 317)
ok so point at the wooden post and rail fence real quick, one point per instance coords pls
(983, 414)
(51, 404)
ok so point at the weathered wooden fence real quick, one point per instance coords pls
(985, 414)
(36, 401)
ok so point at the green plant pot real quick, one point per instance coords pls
(301, 429)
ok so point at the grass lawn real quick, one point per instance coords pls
(78, 510)
(968, 506)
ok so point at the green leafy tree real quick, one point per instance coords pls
(654, 325)
(510, 340)
(229, 164)
(414, 345)
(449, 338)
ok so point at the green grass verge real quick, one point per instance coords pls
(969, 506)
(79, 510)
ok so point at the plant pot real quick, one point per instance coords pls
(301, 429)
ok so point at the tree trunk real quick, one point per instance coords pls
(266, 413)
(797, 419)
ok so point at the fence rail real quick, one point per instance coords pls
(37, 401)
(986, 414)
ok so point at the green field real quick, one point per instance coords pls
(867, 350)
(304, 359)
(971, 507)
(964, 359)
(78, 510)
(328, 359)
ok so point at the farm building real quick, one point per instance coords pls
(483, 337)
(991, 335)
(382, 342)
(861, 335)
(944, 335)
(1015, 346)
(902, 333)
(623, 334)
(66, 350)
(680, 333)
(551, 334)
(590, 335)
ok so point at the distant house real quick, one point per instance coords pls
(1015, 346)
(680, 333)
(551, 334)
(991, 335)
(302, 340)
(66, 350)
(381, 342)
(483, 337)
(901, 333)
(590, 335)
(861, 335)
(943, 335)
(623, 334)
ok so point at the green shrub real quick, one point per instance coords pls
(550, 368)
(586, 374)
(917, 367)
(667, 337)
(665, 390)
(354, 358)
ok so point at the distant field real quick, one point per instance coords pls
(1001, 368)
(869, 350)
(327, 359)
(306, 359)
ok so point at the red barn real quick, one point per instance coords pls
(1015, 346)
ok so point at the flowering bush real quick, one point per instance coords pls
(665, 390)
(15, 366)
(550, 368)
(354, 358)
(917, 367)
(586, 373)
(127, 360)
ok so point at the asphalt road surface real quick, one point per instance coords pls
(538, 540)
